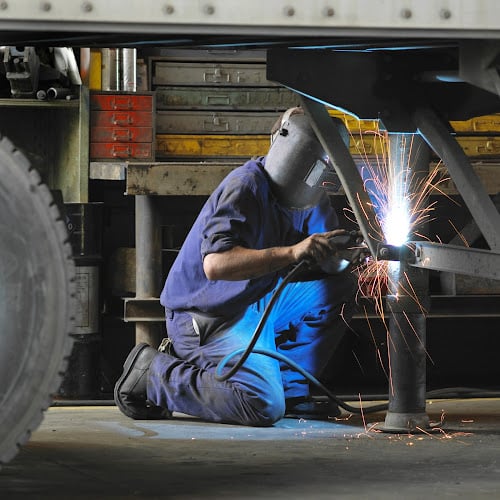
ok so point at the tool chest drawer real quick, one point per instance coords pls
(121, 151)
(121, 134)
(209, 73)
(215, 106)
(169, 146)
(120, 102)
(122, 125)
(209, 122)
(225, 98)
(121, 118)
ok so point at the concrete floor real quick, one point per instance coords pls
(97, 453)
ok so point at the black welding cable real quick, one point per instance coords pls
(258, 329)
(308, 376)
(255, 337)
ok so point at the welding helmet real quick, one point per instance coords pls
(297, 165)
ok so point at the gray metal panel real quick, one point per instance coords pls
(258, 17)
(211, 122)
(219, 74)
(241, 98)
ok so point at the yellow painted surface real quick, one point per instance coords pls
(95, 82)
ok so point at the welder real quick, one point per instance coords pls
(265, 217)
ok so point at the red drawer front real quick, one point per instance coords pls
(121, 119)
(121, 134)
(106, 150)
(125, 102)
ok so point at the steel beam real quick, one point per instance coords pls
(467, 182)
(457, 259)
(441, 306)
(347, 171)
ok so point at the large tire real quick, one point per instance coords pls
(37, 293)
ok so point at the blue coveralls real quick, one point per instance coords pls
(206, 320)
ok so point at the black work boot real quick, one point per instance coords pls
(309, 408)
(130, 390)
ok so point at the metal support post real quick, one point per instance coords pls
(407, 302)
(148, 263)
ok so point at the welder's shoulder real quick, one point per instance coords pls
(248, 177)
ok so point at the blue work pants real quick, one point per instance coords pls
(305, 324)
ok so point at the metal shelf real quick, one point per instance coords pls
(35, 103)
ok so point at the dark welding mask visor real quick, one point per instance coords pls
(299, 169)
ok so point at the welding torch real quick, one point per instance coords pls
(348, 251)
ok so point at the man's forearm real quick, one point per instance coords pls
(241, 263)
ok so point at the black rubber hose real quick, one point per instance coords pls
(251, 345)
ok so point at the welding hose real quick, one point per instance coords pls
(305, 373)
(245, 352)
(258, 329)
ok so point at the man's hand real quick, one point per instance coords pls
(317, 248)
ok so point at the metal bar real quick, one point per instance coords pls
(346, 170)
(441, 306)
(148, 263)
(467, 182)
(457, 259)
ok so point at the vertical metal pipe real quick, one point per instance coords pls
(407, 301)
(148, 263)
(129, 70)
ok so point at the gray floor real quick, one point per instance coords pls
(95, 452)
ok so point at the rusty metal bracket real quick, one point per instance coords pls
(143, 310)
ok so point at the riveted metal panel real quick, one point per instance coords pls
(273, 18)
